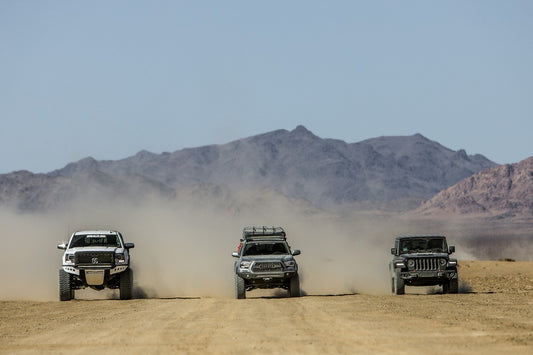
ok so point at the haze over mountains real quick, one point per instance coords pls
(296, 164)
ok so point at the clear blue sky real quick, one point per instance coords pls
(109, 78)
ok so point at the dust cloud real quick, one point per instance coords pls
(183, 247)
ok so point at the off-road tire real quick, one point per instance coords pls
(399, 284)
(66, 293)
(126, 284)
(452, 286)
(240, 291)
(294, 286)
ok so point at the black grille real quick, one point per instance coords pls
(267, 266)
(426, 264)
(95, 258)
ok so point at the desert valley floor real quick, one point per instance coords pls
(493, 314)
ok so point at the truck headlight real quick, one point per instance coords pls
(120, 258)
(245, 264)
(399, 264)
(442, 262)
(410, 263)
(69, 258)
(290, 263)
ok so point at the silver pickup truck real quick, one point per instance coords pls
(264, 261)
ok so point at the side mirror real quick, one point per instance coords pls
(129, 245)
(62, 246)
(296, 252)
(235, 254)
(393, 251)
(451, 249)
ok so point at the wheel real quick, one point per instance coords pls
(66, 293)
(240, 292)
(126, 284)
(452, 286)
(446, 287)
(398, 283)
(294, 286)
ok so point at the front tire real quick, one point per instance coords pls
(452, 286)
(126, 284)
(240, 291)
(66, 293)
(399, 284)
(294, 286)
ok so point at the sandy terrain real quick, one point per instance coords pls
(494, 314)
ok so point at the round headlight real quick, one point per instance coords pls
(442, 262)
(410, 263)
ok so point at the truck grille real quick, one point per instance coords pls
(95, 259)
(423, 264)
(267, 266)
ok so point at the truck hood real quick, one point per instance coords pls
(96, 249)
(267, 258)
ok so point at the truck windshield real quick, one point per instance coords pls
(99, 240)
(418, 245)
(263, 248)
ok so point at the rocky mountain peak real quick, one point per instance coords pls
(85, 165)
(506, 189)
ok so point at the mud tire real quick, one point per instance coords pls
(126, 284)
(240, 291)
(294, 286)
(452, 286)
(398, 284)
(66, 293)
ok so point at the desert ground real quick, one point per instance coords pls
(493, 314)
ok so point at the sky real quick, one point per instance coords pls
(108, 79)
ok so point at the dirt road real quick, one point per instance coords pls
(494, 316)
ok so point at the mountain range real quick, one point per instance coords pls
(500, 191)
(296, 164)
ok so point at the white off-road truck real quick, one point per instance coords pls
(95, 259)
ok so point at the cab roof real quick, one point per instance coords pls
(96, 232)
(419, 236)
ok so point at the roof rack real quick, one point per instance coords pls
(262, 232)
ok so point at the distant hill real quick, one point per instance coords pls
(296, 163)
(502, 191)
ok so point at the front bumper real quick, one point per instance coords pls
(267, 280)
(433, 275)
(428, 278)
(75, 270)
(249, 275)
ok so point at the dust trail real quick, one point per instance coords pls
(183, 247)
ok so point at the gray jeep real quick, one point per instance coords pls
(423, 261)
(95, 259)
(265, 261)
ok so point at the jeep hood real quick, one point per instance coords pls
(425, 255)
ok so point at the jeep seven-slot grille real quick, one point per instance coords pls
(267, 266)
(95, 258)
(426, 264)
